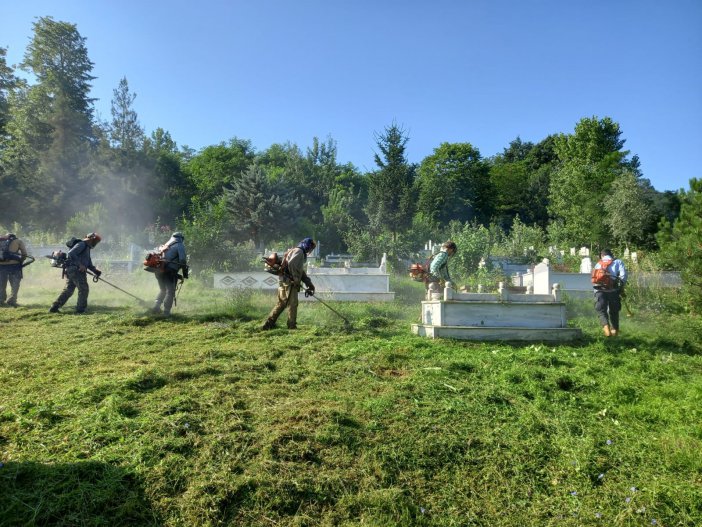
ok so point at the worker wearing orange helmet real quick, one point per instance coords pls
(78, 263)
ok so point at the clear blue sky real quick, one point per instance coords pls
(483, 71)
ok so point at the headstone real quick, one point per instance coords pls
(586, 265)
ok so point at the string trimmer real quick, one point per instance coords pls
(347, 324)
(97, 278)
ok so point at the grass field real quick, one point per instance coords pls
(121, 418)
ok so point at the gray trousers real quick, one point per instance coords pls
(11, 274)
(75, 279)
(167, 282)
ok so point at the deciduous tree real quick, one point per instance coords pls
(454, 184)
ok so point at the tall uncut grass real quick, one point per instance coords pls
(122, 418)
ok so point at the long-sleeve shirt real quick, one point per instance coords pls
(616, 269)
(439, 266)
(296, 268)
(175, 255)
(80, 255)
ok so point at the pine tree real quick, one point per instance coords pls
(260, 209)
(390, 189)
(682, 244)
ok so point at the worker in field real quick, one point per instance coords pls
(608, 280)
(438, 268)
(173, 260)
(291, 274)
(78, 263)
(13, 252)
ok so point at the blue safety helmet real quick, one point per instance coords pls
(307, 245)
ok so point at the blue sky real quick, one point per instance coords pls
(482, 72)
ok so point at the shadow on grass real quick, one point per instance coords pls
(83, 493)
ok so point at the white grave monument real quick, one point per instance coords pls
(496, 316)
(365, 284)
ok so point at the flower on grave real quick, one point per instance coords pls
(598, 515)
(628, 499)
(633, 489)
(609, 441)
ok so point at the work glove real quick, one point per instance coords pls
(186, 273)
(310, 290)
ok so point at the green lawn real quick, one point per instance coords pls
(120, 418)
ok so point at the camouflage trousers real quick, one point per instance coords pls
(75, 279)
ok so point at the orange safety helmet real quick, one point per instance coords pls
(93, 237)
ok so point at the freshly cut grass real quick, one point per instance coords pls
(122, 418)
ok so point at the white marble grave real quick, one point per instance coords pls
(499, 316)
(360, 284)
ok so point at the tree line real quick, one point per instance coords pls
(62, 168)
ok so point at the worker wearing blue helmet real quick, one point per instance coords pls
(292, 274)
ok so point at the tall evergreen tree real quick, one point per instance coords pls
(682, 243)
(125, 131)
(260, 209)
(127, 184)
(390, 189)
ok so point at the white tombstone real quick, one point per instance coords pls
(542, 279)
(634, 257)
(572, 251)
(586, 265)
(584, 251)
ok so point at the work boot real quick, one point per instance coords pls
(606, 330)
(12, 302)
(292, 325)
(54, 309)
(268, 324)
(614, 332)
